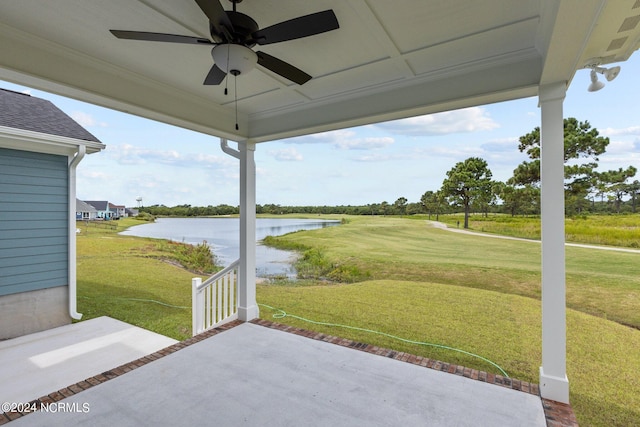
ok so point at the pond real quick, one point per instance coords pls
(222, 235)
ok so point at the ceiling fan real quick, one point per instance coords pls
(234, 34)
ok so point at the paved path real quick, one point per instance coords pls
(443, 226)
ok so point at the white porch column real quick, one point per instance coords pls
(554, 384)
(247, 305)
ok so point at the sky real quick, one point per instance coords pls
(164, 164)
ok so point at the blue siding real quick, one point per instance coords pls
(34, 216)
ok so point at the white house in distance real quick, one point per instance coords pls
(120, 210)
(40, 148)
(107, 210)
(85, 212)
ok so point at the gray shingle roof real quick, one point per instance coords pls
(84, 207)
(26, 112)
(101, 205)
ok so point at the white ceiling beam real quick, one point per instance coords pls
(451, 91)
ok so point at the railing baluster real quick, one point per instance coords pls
(207, 306)
(214, 301)
(219, 306)
(232, 296)
(225, 285)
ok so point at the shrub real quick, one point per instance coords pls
(146, 216)
(197, 258)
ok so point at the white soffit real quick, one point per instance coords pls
(387, 60)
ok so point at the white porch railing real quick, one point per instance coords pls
(215, 301)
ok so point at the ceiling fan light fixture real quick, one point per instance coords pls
(233, 34)
(234, 58)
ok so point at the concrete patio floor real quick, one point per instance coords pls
(37, 364)
(253, 375)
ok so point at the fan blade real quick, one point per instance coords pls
(282, 68)
(159, 37)
(217, 17)
(215, 76)
(303, 26)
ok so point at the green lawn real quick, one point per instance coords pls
(490, 278)
(603, 283)
(603, 357)
(133, 280)
(613, 230)
(477, 294)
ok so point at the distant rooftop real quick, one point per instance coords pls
(84, 207)
(26, 112)
(101, 205)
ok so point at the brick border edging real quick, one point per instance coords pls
(559, 414)
(556, 414)
(473, 374)
(68, 391)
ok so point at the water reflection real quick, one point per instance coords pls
(222, 234)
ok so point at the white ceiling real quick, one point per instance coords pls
(388, 59)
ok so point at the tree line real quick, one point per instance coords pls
(469, 186)
(469, 183)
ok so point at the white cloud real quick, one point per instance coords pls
(631, 130)
(409, 155)
(368, 143)
(128, 154)
(452, 151)
(125, 154)
(345, 139)
(467, 120)
(207, 160)
(621, 147)
(86, 120)
(501, 145)
(322, 137)
(92, 174)
(375, 157)
(286, 155)
(616, 162)
(620, 154)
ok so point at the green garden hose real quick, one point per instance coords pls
(280, 314)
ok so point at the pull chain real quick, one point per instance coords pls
(235, 81)
(226, 82)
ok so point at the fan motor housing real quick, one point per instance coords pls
(243, 28)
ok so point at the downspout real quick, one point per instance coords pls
(230, 151)
(73, 163)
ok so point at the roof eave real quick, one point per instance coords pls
(19, 139)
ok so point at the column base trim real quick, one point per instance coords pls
(553, 387)
(248, 313)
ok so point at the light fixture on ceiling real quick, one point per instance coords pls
(233, 34)
(608, 73)
(234, 59)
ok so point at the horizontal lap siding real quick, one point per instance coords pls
(33, 221)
